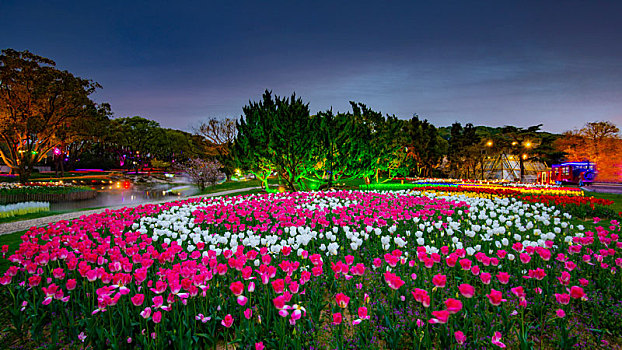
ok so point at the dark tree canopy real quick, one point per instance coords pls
(41, 107)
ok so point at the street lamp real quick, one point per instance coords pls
(489, 143)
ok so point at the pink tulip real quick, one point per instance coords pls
(421, 296)
(393, 280)
(460, 337)
(279, 302)
(439, 317)
(237, 288)
(453, 305)
(495, 297)
(157, 317)
(519, 292)
(248, 313)
(337, 318)
(278, 286)
(466, 290)
(362, 312)
(157, 301)
(503, 277)
(296, 315)
(227, 321)
(439, 280)
(342, 300)
(577, 293)
(146, 313)
(563, 298)
(138, 299)
(496, 340)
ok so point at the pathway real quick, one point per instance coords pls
(16, 226)
(604, 187)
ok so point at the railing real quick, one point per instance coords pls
(47, 197)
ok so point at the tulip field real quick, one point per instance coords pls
(405, 269)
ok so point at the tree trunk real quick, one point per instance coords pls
(24, 174)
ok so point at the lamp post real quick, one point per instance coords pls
(489, 144)
(526, 145)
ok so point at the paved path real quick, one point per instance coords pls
(603, 187)
(16, 226)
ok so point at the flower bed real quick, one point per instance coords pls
(491, 189)
(308, 270)
(17, 209)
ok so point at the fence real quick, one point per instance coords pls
(47, 197)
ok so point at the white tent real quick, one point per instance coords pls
(507, 167)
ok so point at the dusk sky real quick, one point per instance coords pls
(487, 62)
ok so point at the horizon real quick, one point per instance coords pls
(485, 63)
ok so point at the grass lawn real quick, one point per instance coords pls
(235, 185)
(617, 198)
(31, 216)
(43, 214)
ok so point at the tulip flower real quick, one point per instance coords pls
(495, 297)
(460, 337)
(496, 340)
(439, 317)
(227, 321)
(466, 290)
(337, 318)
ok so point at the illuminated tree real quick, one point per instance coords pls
(329, 159)
(598, 142)
(37, 102)
(294, 136)
(374, 142)
(251, 148)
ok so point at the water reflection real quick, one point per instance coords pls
(129, 196)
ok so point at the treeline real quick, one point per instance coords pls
(279, 135)
(46, 115)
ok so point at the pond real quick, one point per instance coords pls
(126, 193)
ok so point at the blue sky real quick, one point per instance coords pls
(486, 62)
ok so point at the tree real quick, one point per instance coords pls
(137, 138)
(220, 135)
(466, 151)
(598, 142)
(251, 147)
(39, 105)
(421, 147)
(175, 145)
(202, 172)
(374, 142)
(84, 135)
(328, 162)
(277, 134)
